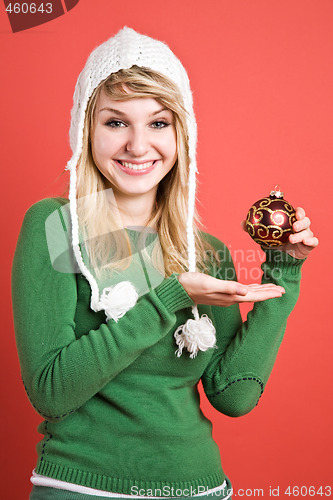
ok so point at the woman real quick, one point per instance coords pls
(115, 330)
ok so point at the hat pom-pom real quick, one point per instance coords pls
(117, 300)
(195, 335)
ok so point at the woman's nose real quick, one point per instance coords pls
(137, 142)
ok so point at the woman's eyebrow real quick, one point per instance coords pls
(117, 111)
(121, 113)
(159, 111)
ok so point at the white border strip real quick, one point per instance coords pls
(38, 480)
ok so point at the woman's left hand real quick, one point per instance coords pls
(302, 241)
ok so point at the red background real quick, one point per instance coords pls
(262, 78)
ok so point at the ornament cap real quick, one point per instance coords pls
(276, 193)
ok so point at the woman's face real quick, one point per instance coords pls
(133, 144)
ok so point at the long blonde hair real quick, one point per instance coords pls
(102, 234)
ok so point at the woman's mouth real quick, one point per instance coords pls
(136, 168)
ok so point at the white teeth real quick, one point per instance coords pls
(133, 166)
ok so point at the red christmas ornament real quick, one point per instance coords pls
(269, 221)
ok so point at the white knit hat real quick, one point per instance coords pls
(124, 50)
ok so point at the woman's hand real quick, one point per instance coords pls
(204, 289)
(302, 241)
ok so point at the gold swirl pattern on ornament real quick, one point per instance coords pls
(288, 207)
(276, 233)
(268, 243)
(291, 217)
(263, 231)
(265, 202)
(254, 214)
(250, 228)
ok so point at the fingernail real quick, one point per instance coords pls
(241, 291)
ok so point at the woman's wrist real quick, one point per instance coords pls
(279, 263)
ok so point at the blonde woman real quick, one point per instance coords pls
(115, 331)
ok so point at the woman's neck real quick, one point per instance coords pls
(135, 210)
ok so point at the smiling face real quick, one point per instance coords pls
(133, 144)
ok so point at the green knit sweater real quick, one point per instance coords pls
(120, 408)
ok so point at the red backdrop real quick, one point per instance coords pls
(262, 79)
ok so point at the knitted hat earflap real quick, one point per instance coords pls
(198, 333)
(126, 49)
(115, 301)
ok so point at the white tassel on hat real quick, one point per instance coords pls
(196, 334)
(117, 300)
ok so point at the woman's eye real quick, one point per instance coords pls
(115, 124)
(160, 124)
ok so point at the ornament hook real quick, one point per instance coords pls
(277, 192)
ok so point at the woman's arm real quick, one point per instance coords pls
(241, 365)
(60, 371)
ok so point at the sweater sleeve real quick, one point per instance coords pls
(238, 372)
(61, 371)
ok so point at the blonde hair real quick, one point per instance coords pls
(107, 245)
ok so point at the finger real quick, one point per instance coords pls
(261, 285)
(233, 289)
(265, 286)
(300, 213)
(277, 289)
(230, 288)
(311, 242)
(223, 299)
(243, 225)
(256, 288)
(302, 224)
(301, 236)
(258, 296)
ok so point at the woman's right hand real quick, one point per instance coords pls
(204, 289)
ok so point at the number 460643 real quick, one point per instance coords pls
(32, 8)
